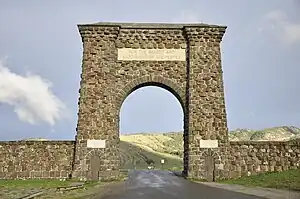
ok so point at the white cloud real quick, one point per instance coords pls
(31, 97)
(283, 28)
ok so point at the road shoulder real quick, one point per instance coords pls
(268, 193)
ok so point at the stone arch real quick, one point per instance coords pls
(159, 81)
(134, 56)
(143, 81)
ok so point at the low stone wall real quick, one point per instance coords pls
(252, 157)
(54, 159)
(36, 159)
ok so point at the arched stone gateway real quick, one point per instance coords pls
(119, 58)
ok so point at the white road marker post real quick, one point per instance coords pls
(162, 161)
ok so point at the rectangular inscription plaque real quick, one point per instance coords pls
(209, 144)
(96, 144)
(127, 54)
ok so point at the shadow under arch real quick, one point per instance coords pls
(144, 81)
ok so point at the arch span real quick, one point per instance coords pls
(144, 81)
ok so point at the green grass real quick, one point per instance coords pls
(180, 168)
(281, 180)
(39, 183)
(33, 183)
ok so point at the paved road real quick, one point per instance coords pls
(165, 185)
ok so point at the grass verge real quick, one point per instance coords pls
(39, 183)
(33, 183)
(289, 180)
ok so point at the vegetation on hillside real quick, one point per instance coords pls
(133, 156)
(168, 144)
(283, 133)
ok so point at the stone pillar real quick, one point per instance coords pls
(206, 104)
(97, 115)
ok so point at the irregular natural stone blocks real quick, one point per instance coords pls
(182, 58)
(36, 159)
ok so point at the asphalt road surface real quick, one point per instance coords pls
(154, 184)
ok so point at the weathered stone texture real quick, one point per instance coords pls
(207, 115)
(36, 159)
(252, 157)
(107, 81)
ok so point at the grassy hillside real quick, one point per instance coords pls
(167, 144)
(133, 156)
(282, 133)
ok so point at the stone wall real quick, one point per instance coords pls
(36, 159)
(54, 159)
(253, 157)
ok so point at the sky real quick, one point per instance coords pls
(41, 52)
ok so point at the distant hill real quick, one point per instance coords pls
(139, 150)
(170, 144)
(282, 133)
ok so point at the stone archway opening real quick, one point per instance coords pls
(158, 142)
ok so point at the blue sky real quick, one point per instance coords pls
(41, 51)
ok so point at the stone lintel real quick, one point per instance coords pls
(151, 25)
